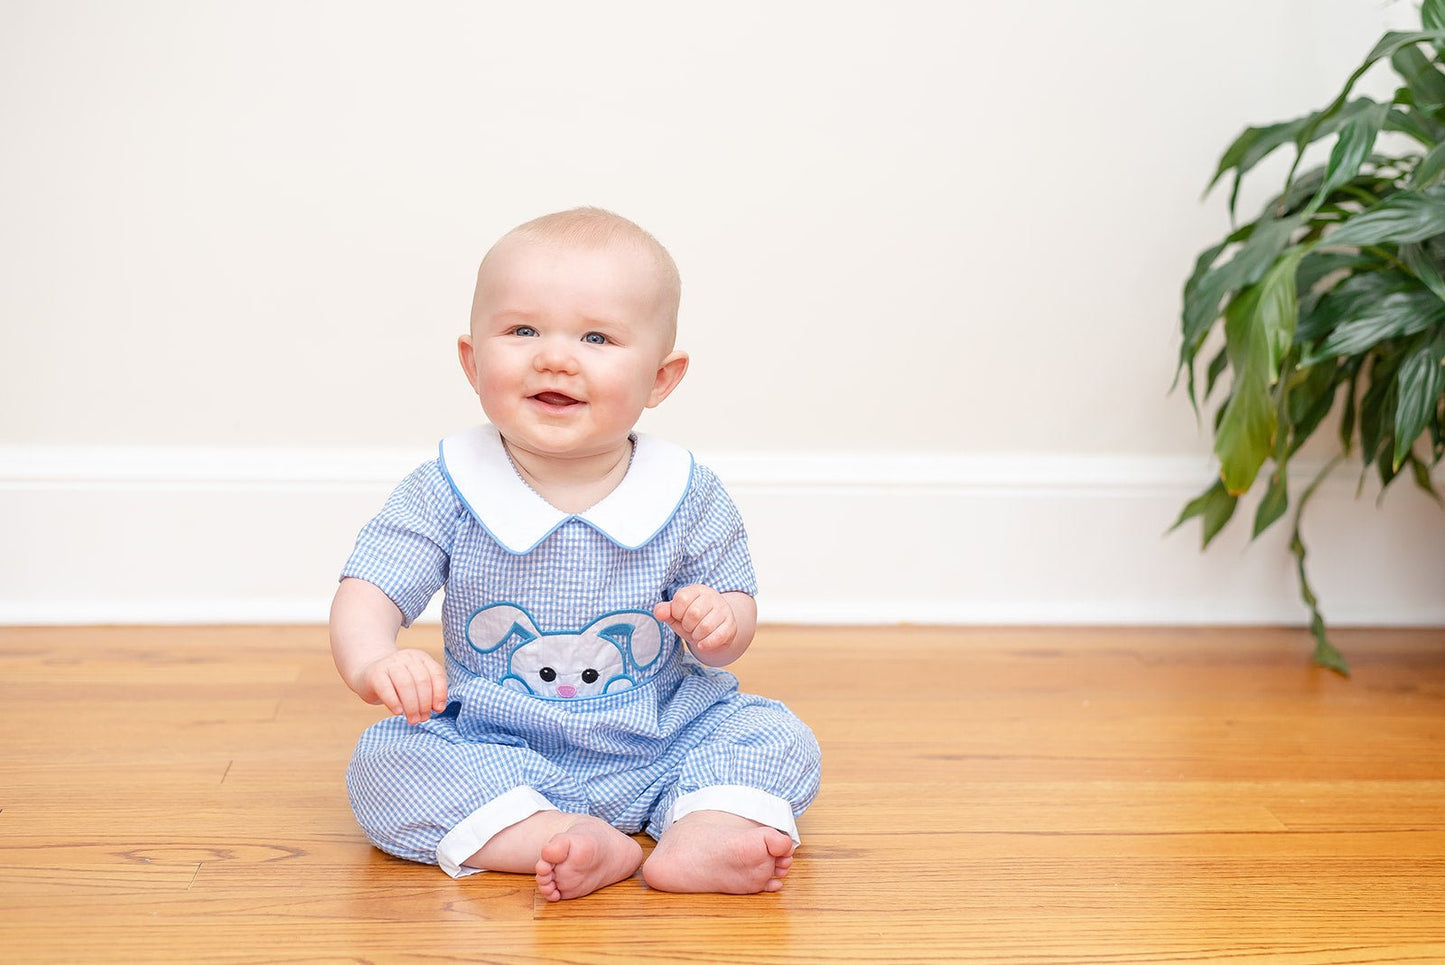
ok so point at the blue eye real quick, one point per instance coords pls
(595, 338)
(525, 331)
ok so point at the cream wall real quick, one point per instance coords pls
(945, 232)
(919, 225)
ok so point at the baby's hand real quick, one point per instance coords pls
(701, 616)
(407, 682)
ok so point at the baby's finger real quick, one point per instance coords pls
(712, 634)
(438, 688)
(702, 620)
(430, 691)
(697, 594)
(404, 681)
(701, 616)
(386, 693)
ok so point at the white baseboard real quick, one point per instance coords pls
(137, 536)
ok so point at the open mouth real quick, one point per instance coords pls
(557, 399)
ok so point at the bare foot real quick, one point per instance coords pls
(590, 854)
(719, 852)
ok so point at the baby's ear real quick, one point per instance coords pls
(669, 374)
(635, 632)
(466, 354)
(498, 624)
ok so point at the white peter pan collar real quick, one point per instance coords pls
(476, 464)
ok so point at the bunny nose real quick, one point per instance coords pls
(566, 690)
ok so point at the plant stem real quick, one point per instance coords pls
(1326, 654)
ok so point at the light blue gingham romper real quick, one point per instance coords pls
(563, 691)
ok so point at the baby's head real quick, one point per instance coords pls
(572, 332)
(597, 230)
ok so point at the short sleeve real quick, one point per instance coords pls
(716, 543)
(404, 550)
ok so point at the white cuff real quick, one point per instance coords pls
(477, 828)
(745, 802)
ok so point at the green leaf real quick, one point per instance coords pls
(1375, 181)
(1349, 417)
(1276, 495)
(1206, 292)
(1396, 315)
(1245, 434)
(1217, 365)
(1423, 266)
(1214, 505)
(1420, 382)
(1385, 467)
(1317, 264)
(1258, 330)
(1310, 398)
(1426, 82)
(1428, 171)
(1275, 502)
(1278, 309)
(1402, 218)
(1377, 409)
(1254, 144)
(1386, 47)
(1295, 196)
(1202, 267)
(1412, 123)
(1350, 298)
(1432, 16)
(1206, 259)
(1356, 139)
(1421, 473)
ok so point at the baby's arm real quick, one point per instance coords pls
(364, 625)
(717, 627)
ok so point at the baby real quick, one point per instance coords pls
(596, 581)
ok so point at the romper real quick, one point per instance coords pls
(563, 691)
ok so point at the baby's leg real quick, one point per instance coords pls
(425, 794)
(716, 851)
(571, 854)
(734, 801)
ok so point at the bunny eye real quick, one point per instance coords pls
(589, 676)
(547, 674)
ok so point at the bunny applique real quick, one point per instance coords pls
(612, 653)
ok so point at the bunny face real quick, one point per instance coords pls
(566, 667)
(610, 654)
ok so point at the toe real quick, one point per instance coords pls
(779, 844)
(555, 851)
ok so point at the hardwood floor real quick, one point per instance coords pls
(990, 795)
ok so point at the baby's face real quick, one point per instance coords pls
(568, 345)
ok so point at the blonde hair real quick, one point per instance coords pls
(589, 227)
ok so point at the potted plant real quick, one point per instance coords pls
(1333, 298)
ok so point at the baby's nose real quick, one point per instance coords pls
(566, 690)
(554, 356)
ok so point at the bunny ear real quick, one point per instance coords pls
(636, 632)
(647, 642)
(501, 623)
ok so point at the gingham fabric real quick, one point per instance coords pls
(644, 737)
